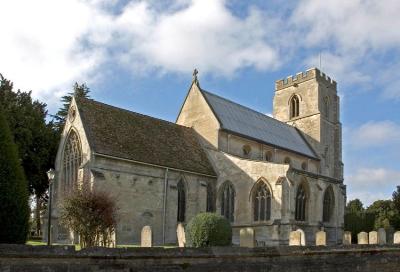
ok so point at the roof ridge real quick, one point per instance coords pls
(247, 108)
(130, 111)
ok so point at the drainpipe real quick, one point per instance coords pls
(165, 205)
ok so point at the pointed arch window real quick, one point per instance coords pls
(181, 201)
(228, 201)
(294, 106)
(210, 198)
(71, 162)
(301, 203)
(328, 205)
(262, 202)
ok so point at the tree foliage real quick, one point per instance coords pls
(91, 214)
(209, 229)
(79, 90)
(14, 212)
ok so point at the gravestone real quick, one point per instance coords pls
(247, 237)
(373, 237)
(302, 237)
(396, 238)
(146, 237)
(362, 238)
(295, 238)
(180, 233)
(347, 238)
(381, 236)
(320, 238)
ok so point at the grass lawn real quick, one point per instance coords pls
(78, 247)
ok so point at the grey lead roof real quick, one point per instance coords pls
(248, 123)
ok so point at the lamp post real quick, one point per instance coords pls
(50, 175)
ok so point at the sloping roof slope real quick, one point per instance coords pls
(124, 134)
(248, 123)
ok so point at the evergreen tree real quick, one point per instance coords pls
(14, 212)
(36, 140)
(80, 91)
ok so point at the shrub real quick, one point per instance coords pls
(209, 229)
(92, 215)
(14, 212)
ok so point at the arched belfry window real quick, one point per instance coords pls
(301, 203)
(228, 201)
(328, 205)
(210, 198)
(262, 202)
(72, 161)
(294, 106)
(181, 201)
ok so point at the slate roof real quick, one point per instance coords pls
(124, 134)
(254, 125)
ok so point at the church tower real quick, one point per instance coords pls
(309, 101)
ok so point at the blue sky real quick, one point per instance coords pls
(140, 55)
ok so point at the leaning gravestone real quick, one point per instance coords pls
(347, 238)
(320, 238)
(295, 238)
(247, 237)
(180, 233)
(396, 237)
(373, 237)
(381, 236)
(146, 237)
(362, 238)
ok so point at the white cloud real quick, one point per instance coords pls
(370, 184)
(376, 133)
(49, 44)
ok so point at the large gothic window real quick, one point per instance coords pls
(210, 198)
(71, 162)
(228, 201)
(301, 203)
(262, 202)
(181, 201)
(294, 106)
(328, 204)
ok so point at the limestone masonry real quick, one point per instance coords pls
(274, 175)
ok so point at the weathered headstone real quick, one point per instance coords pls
(373, 237)
(295, 238)
(146, 237)
(396, 237)
(362, 238)
(381, 236)
(347, 238)
(320, 238)
(302, 237)
(247, 237)
(180, 233)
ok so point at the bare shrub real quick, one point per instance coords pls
(92, 215)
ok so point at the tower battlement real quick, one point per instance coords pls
(301, 77)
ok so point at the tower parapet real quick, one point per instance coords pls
(301, 77)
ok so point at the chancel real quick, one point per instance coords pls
(272, 174)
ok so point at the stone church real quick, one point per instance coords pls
(272, 174)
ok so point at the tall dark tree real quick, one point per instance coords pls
(396, 198)
(36, 140)
(14, 212)
(79, 90)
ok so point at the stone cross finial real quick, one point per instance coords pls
(195, 80)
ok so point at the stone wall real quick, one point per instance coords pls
(59, 258)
